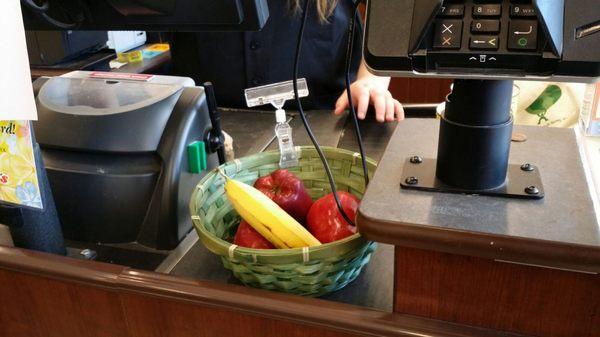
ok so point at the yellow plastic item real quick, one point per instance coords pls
(130, 57)
(159, 47)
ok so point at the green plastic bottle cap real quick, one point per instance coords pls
(197, 157)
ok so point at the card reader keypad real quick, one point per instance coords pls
(486, 25)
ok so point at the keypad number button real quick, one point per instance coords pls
(485, 26)
(522, 11)
(455, 11)
(487, 10)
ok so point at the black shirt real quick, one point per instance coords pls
(236, 61)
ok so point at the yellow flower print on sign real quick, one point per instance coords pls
(18, 173)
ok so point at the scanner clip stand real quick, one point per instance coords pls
(276, 95)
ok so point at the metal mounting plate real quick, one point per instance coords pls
(522, 184)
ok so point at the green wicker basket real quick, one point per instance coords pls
(312, 271)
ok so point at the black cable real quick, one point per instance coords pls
(86, 14)
(353, 113)
(35, 7)
(57, 23)
(304, 119)
(42, 12)
(74, 10)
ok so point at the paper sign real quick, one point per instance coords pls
(16, 92)
(19, 183)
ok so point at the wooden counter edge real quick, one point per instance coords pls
(270, 305)
(539, 253)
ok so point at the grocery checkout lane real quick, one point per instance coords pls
(195, 278)
(482, 228)
(190, 259)
(196, 270)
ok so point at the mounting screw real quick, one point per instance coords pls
(416, 160)
(527, 167)
(412, 180)
(532, 190)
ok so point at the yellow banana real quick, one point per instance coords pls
(254, 222)
(264, 215)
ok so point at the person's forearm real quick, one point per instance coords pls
(364, 73)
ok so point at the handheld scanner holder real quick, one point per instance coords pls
(277, 94)
(494, 39)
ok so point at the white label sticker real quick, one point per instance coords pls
(16, 92)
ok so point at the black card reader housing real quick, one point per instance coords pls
(536, 39)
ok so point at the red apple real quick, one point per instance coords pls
(248, 237)
(287, 191)
(326, 222)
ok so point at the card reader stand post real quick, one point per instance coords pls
(474, 147)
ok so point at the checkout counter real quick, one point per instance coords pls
(187, 292)
(448, 264)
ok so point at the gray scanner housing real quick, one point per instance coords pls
(116, 155)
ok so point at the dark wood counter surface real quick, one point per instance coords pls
(514, 265)
(560, 231)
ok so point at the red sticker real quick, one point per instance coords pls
(3, 179)
(122, 76)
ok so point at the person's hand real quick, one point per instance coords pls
(372, 90)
